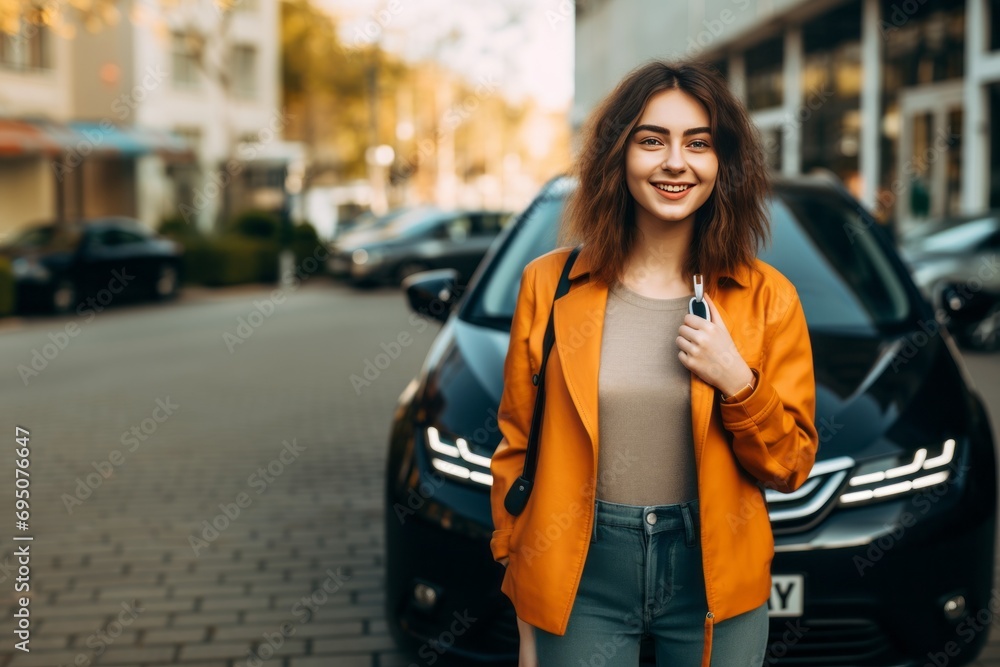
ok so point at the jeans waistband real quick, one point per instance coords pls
(650, 518)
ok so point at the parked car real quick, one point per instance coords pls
(58, 266)
(368, 220)
(418, 240)
(955, 265)
(883, 556)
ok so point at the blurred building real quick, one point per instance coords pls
(171, 110)
(895, 97)
(420, 133)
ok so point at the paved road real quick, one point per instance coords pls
(150, 417)
(270, 427)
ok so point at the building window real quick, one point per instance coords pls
(772, 139)
(831, 93)
(184, 61)
(994, 18)
(244, 70)
(27, 49)
(994, 102)
(765, 86)
(925, 46)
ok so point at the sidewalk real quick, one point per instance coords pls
(188, 294)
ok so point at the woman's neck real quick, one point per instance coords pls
(656, 262)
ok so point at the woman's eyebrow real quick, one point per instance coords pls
(663, 130)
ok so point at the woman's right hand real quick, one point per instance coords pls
(527, 655)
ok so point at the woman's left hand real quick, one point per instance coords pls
(707, 349)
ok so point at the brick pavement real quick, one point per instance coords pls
(293, 576)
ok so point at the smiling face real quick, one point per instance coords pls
(671, 144)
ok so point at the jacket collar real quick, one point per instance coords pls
(578, 320)
(582, 265)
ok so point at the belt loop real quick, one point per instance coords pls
(688, 524)
(593, 537)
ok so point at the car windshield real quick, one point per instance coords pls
(404, 223)
(369, 220)
(842, 273)
(48, 236)
(413, 221)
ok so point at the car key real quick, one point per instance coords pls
(697, 306)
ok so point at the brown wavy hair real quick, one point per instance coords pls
(729, 226)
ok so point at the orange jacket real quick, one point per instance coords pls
(769, 439)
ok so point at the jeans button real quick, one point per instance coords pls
(651, 518)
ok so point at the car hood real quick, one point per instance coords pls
(871, 392)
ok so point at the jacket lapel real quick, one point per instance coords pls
(578, 319)
(579, 322)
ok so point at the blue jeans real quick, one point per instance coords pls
(643, 576)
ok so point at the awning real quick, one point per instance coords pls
(40, 136)
(21, 138)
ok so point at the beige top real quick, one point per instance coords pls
(645, 443)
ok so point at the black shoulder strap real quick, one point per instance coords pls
(517, 496)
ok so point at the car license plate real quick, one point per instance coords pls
(786, 595)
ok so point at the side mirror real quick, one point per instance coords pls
(432, 293)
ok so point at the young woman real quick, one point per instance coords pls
(661, 428)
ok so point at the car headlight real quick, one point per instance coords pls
(890, 477)
(24, 267)
(457, 460)
(362, 256)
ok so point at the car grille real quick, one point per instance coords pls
(809, 504)
(829, 642)
(493, 634)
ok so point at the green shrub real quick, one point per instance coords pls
(247, 252)
(267, 262)
(258, 225)
(198, 257)
(8, 292)
(307, 243)
(179, 229)
(230, 260)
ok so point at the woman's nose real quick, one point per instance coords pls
(674, 160)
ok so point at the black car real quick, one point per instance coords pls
(417, 240)
(368, 220)
(883, 557)
(57, 267)
(955, 264)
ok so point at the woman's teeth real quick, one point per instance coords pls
(672, 188)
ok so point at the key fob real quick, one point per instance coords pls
(697, 306)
